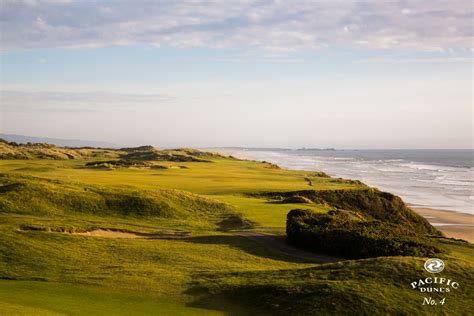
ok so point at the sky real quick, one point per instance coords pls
(343, 74)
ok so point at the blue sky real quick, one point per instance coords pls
(365, 74)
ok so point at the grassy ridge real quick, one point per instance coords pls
(39, 196)
(12, 150)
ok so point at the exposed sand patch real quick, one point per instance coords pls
(110, 234)
(452, 224)
(129, 234)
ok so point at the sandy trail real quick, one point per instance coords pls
(278, 244)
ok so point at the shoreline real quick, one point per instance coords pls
(452, 224)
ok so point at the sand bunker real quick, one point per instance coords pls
(111, 234)
(128, 234)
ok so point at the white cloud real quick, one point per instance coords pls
(270, 26)
(55, 101)
(465, 60)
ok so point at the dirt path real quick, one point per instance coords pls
(278, 244)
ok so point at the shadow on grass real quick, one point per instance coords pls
(220, 302)
(264, 246)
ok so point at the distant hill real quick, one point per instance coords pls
(133, 156)
(56, 141)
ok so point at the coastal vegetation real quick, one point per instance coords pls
(368, 202)
(12, 150)
(349, 235)
(172, 232)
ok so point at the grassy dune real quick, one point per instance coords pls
(196, 263)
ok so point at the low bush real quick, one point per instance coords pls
(369, 202)
(158, 155)
(295, 200)
(347, 234)
(118, 164)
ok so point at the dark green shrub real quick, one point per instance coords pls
(296, 200)
(371, 203)
(343, 234)
(119, 164)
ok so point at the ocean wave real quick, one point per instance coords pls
(421, 167)
(428, 167)
(448, 224)
(454, 182)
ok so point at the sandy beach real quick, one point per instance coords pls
(452, 224)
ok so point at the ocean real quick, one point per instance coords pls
(439, 179)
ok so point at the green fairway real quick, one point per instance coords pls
(188, 258)
(51, 298)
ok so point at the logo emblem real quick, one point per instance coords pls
(434, 265)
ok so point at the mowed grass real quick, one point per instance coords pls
(227, 180)
(376, 286)
(267, 216)
(159, 271)
(208, 271)
(51, 298)
(218, 178)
